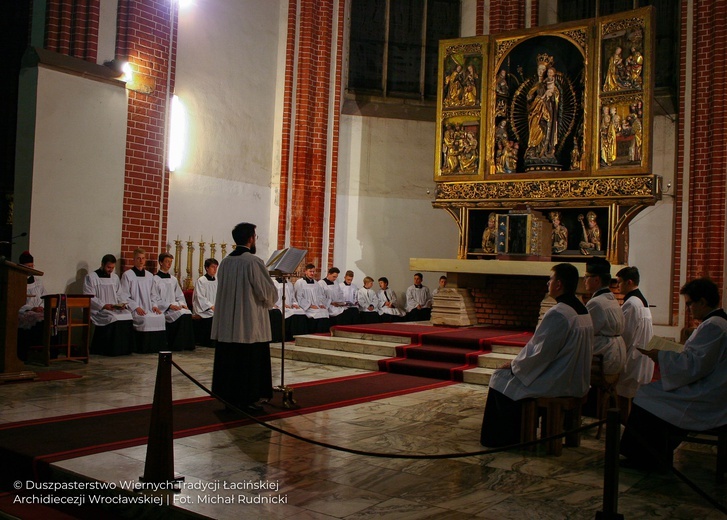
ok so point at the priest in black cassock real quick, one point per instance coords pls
(241, 325)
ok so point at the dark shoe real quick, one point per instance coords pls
(254, 407)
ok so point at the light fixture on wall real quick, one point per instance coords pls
(177, 134)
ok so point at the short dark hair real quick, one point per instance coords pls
(243, 232)
(349, 273)
(109, 258)
(629, 273)
(384, 279)
(702, 288)
(309, 266)
(442, 277)
(601, 268)
(162, 256)
(419, 275)
(334, 270)
(209, 262)
(568, 275)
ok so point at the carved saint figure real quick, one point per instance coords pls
(543, 112)
(608, 137)
(591, 235)
(560, 233)
(454, 88)
(469, 97)
(614, 72)
(636, 131)
(490, 234)
(501, 86)
(634, 65)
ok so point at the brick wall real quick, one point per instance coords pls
(72, 28)
(707, 149)
(506, 15)
(146, 37)
(306, 127)
(510, 301)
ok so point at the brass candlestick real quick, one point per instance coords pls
(201, 258)
(188, 284)
(224, 249)
(212, 248)
(177, 260)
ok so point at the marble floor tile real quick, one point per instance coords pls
(318, 483)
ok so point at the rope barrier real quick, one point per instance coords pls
(714, 502)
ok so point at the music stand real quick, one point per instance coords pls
(282, 263)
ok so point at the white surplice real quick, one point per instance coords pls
(167, 292)
(638, 330)
(335, 295)
(205, 292)
(106, 291)
(291, 304)
(692, 391)
(388, 295)
(309, 294)
(418, 296)
(350, 293)
(607, 327)
(136, 292)
(556, 362)
(367, 298)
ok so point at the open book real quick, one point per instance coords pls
(660, 343)
(284, 261)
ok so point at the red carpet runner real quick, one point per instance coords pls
(440, 352)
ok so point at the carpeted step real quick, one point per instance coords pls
(422, 368)
(437, 353)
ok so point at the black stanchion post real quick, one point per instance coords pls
(159, 465)
(610, 468)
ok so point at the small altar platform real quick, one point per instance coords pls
(511, 293)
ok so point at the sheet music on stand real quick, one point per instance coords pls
(285, 261)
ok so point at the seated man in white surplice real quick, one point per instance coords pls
(113, 332)
(168, 297)
(149, 324)
(556, 362)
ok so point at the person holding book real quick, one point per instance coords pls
(692, 390)
(350, 290)
(338, 310)
(113, 329)
(313, 300)
(296, 322)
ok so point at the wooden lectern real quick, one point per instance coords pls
(13, 292)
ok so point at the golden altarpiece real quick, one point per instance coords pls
(543, 138)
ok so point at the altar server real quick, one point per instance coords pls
(296, 322)
(313, 300)
(149, 324)
(30, 315)
(203, 302)
(349, 289)
(638, 330)
(556, 362)
(418, 300)
(389, 309)
(168, 297)
(339, 311)
(368, 302)
(113, 330)
(606, 316)
(692, 391)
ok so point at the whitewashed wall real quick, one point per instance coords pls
(227, 78)
(77, 165)
(384, 212)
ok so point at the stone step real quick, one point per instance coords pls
(477, 376)
(328, 357)
(494, 359)
(387, 338)
(353, 345)
(506, 349)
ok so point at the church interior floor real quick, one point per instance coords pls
(312, 482)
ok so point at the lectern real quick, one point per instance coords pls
(13, 292)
